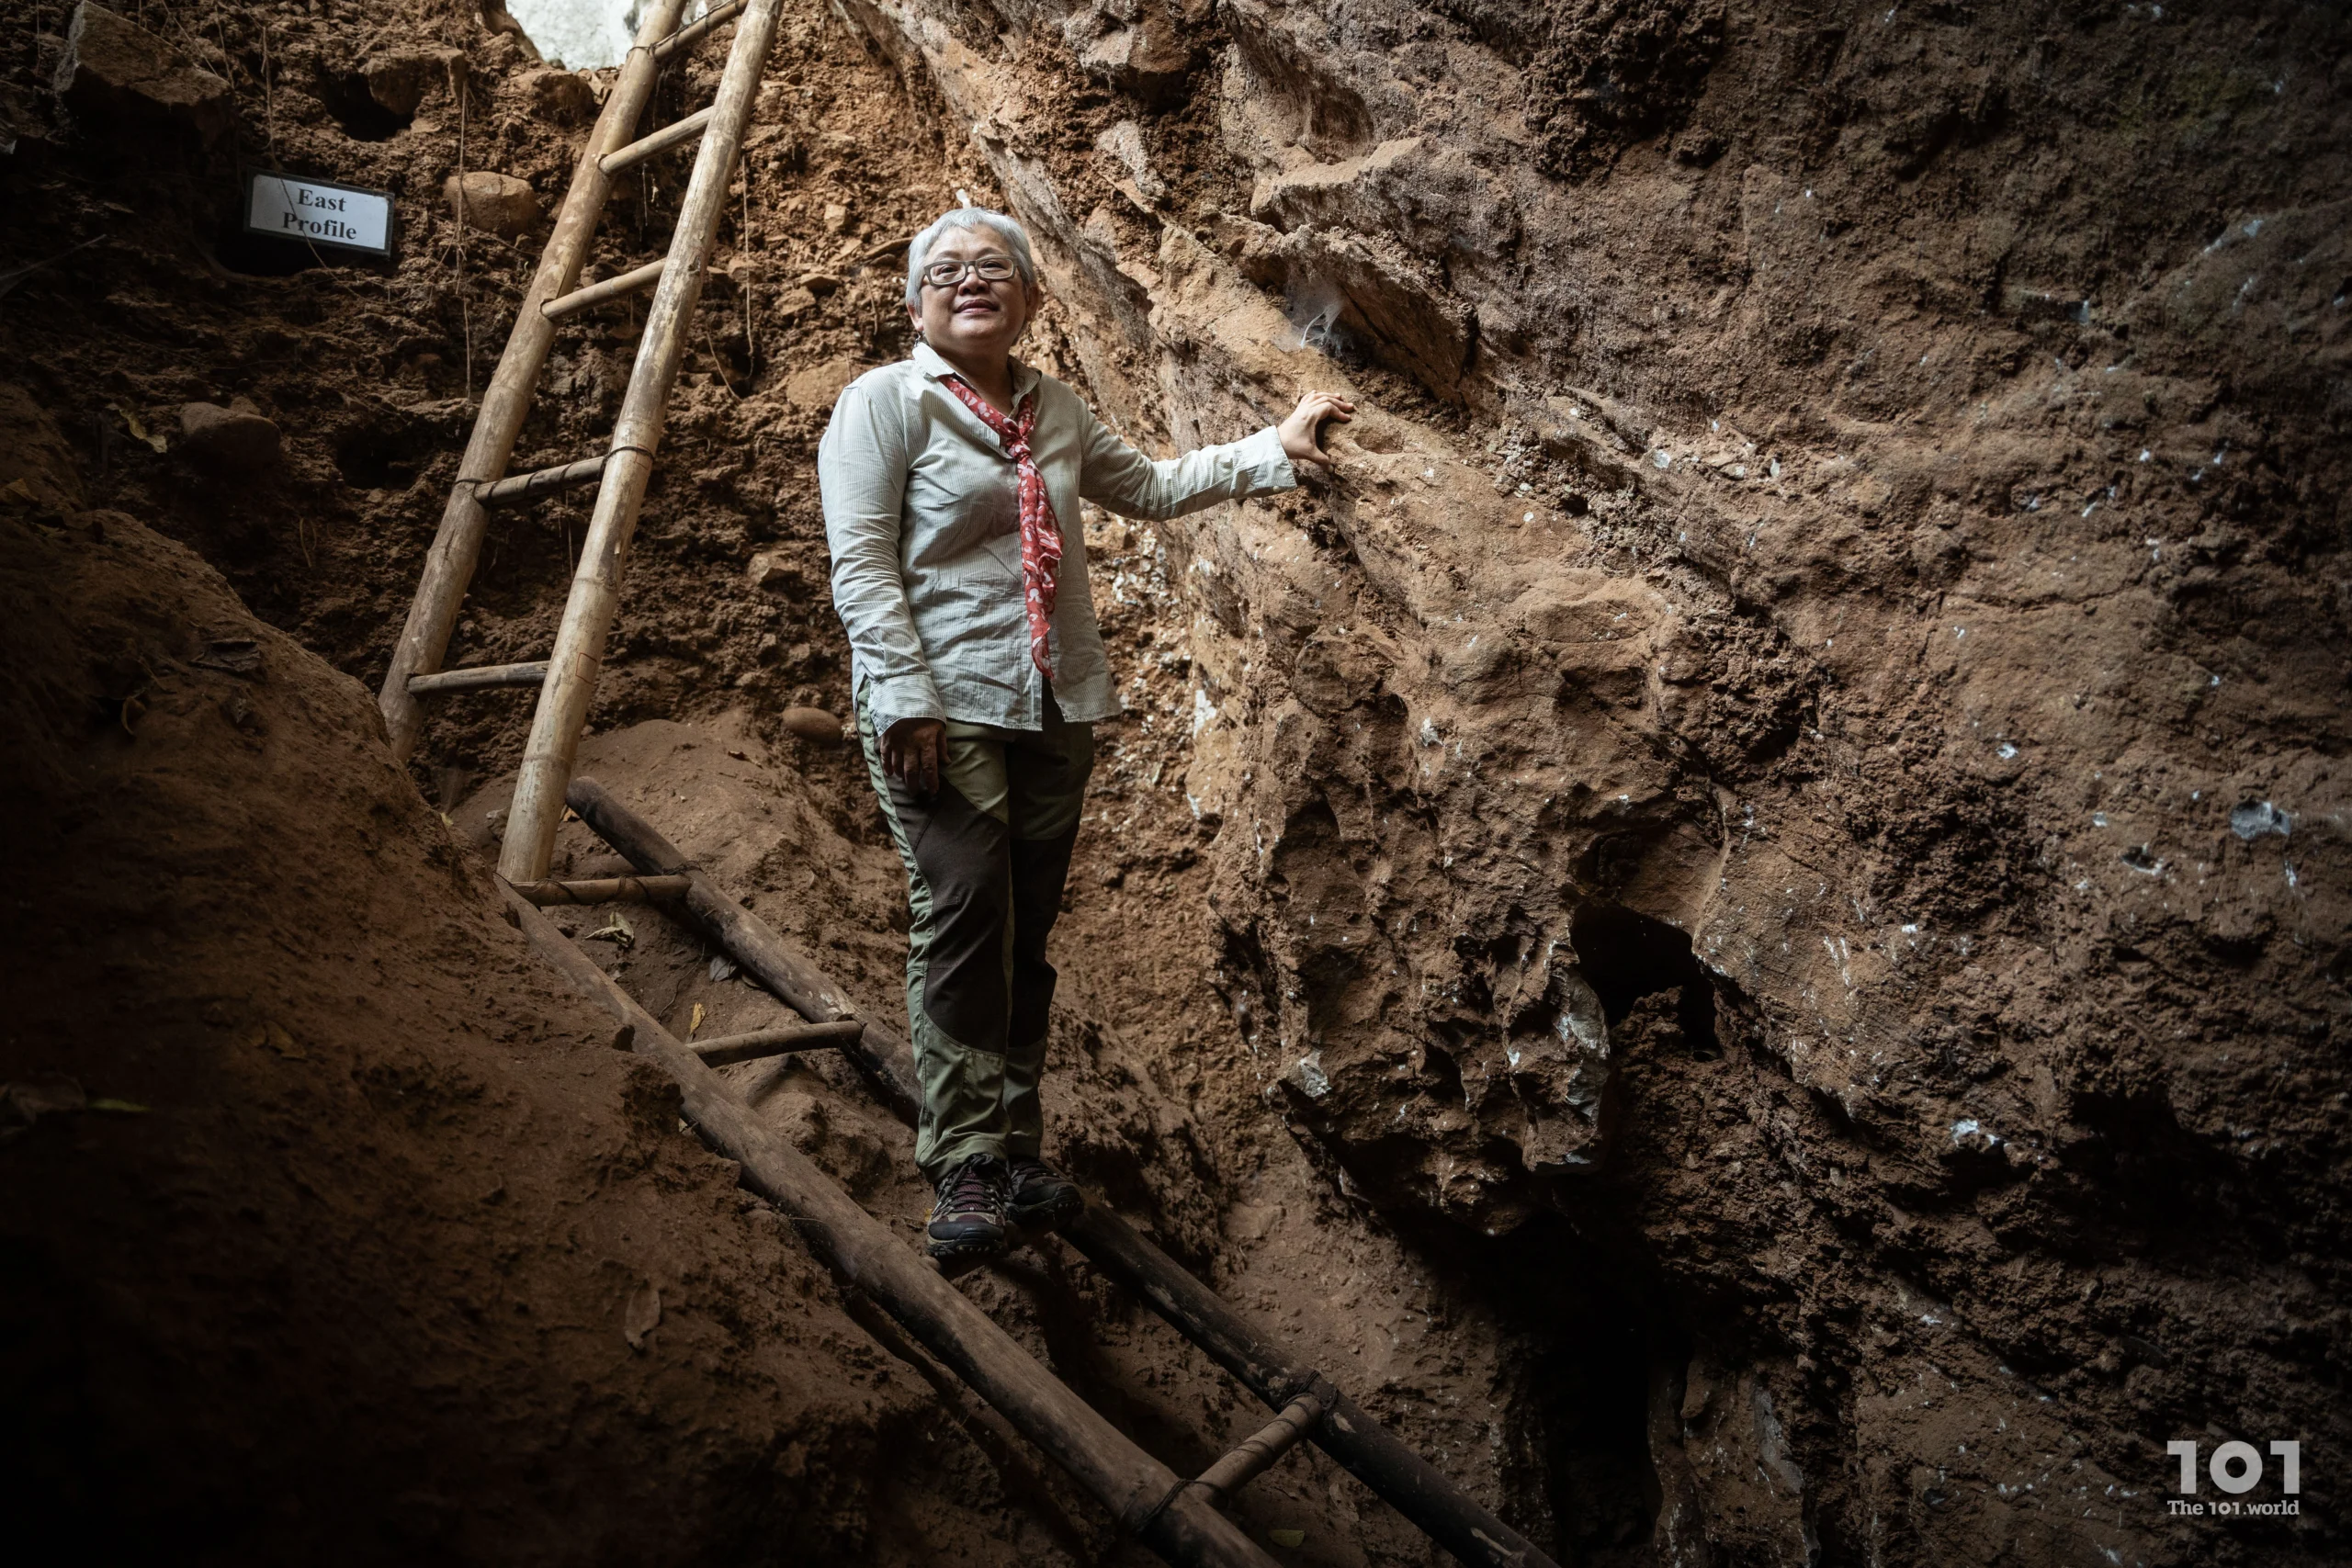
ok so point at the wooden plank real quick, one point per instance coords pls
(1416, 1488)
(457, 545)
(880, 1052)
(1146, 1497)
(478, 678)
(627, 283)
(596, 586)
(693, 32)
(673, 134)
(755, 1045)
(603, 890)
(539, 481)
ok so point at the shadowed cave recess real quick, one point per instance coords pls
(1736, 922)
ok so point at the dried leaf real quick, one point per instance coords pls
(118, 1107)
(1287, 1538)
(616, 931)
(154, 439)
(721, 967)
(694, 1024)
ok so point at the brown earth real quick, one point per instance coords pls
(1740, 918)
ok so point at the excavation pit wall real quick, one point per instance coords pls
(1738, 919)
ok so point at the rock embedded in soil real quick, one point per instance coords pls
(819, 386)
(400, 82)
(115, 75)
(499, 204)
(813, 723)
(560, 97)
(770, 571)
(229, 439)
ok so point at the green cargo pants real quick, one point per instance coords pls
(986, 857)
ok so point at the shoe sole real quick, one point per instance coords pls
(1050, 1216)
(946, 1251)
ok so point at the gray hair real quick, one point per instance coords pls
(968, 218)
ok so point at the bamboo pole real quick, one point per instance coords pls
(756, 1044)
(1147, 1498)
(694, 32)
(659, 143)
(1411, 1484)
(603, 890)
(596, 586)
(478, 678)
(457, 546)
(627, 283)
(880, 1052)
(1256, 1454)
(539, 481)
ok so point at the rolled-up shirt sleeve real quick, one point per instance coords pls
(1117, 477)
(862, 476)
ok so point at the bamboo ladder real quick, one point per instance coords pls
(1178, 1518)
(567, 678)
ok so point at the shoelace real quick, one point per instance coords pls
(969, 1189)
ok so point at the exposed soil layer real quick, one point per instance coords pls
(1740, 918)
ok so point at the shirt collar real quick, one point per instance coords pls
(930, 362)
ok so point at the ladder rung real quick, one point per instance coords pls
(693, 32)
(523, 486)
(580, 299)
(480, 678)
(730, 1049)
(661, 141)
(1256, 1456)
(605, 890)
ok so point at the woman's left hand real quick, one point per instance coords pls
(1298, 432)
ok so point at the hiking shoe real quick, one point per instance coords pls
(1041, 1199)
(967, 1217)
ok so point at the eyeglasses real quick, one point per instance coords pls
(948, 273)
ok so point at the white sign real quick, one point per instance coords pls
(291, 207)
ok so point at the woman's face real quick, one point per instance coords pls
(973, 316)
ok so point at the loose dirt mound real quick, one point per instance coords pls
(335, 1234)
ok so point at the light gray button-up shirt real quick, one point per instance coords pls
(925, 528)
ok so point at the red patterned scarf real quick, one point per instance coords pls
(1041, 532)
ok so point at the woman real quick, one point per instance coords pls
(949, 480)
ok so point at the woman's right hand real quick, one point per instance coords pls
(1298, 432)
(912, 752)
